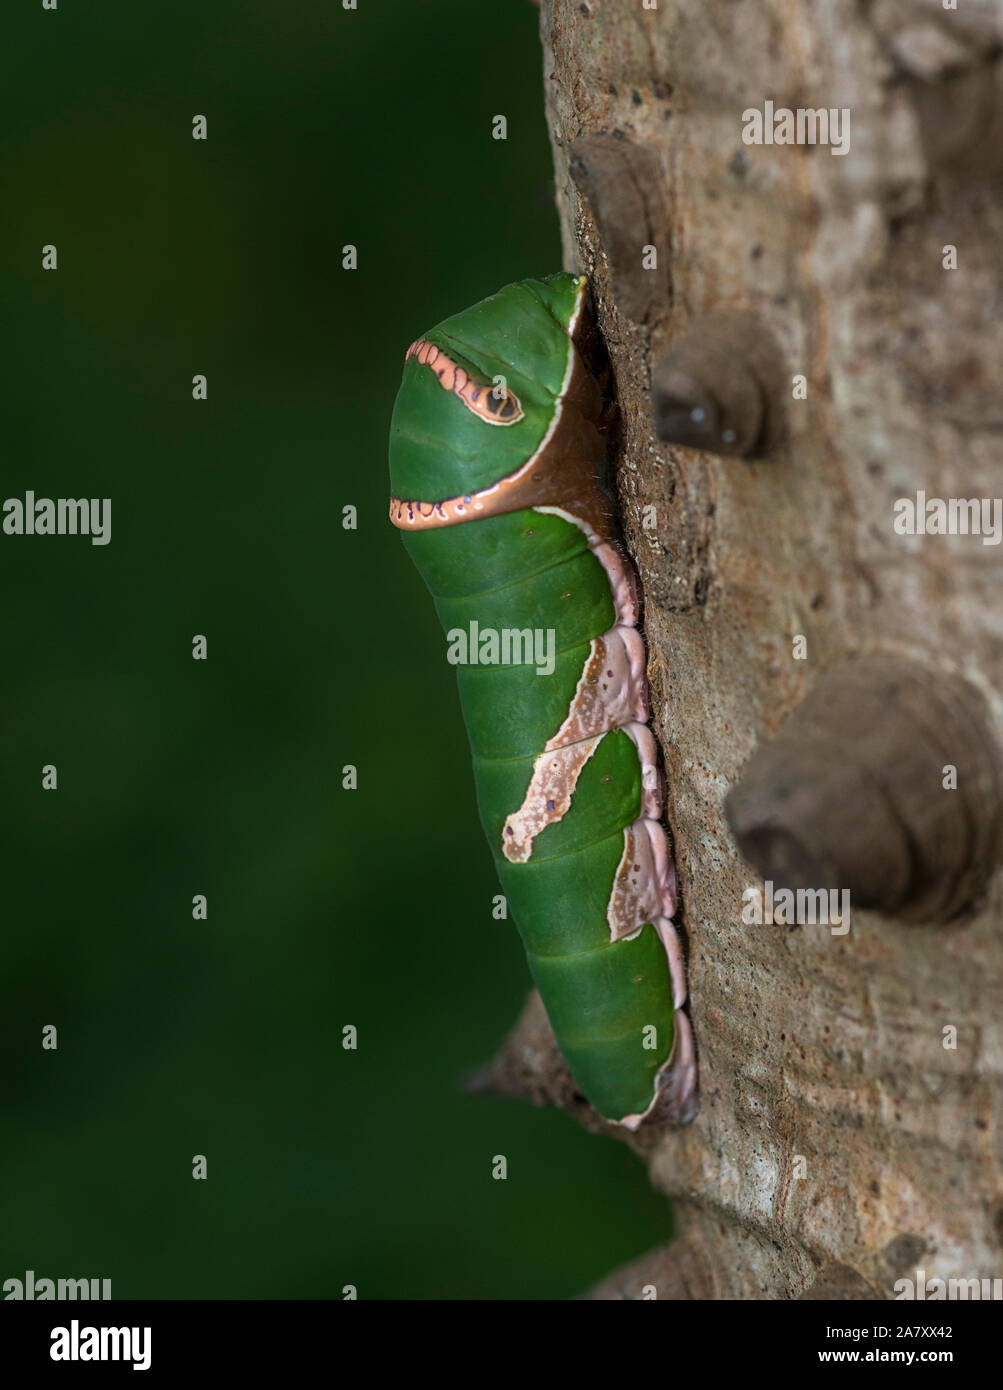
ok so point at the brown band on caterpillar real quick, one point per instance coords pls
(553, 476)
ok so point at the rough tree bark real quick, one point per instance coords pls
(826, 1047)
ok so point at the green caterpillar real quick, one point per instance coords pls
(496, 457)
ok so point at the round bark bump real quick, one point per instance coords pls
(621, 180)
(718, 388)
(851, 795)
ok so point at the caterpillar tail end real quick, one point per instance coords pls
(677, 1098)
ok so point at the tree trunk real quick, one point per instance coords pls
(851, 1098)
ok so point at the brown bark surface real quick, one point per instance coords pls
(828, 1047)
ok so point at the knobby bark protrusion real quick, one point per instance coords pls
(622, 181)
(884, 782)
(719, 388)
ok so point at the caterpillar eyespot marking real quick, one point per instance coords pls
(498, 407)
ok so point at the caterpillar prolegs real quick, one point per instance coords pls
(496, 460)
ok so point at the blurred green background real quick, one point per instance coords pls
(326, 907)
